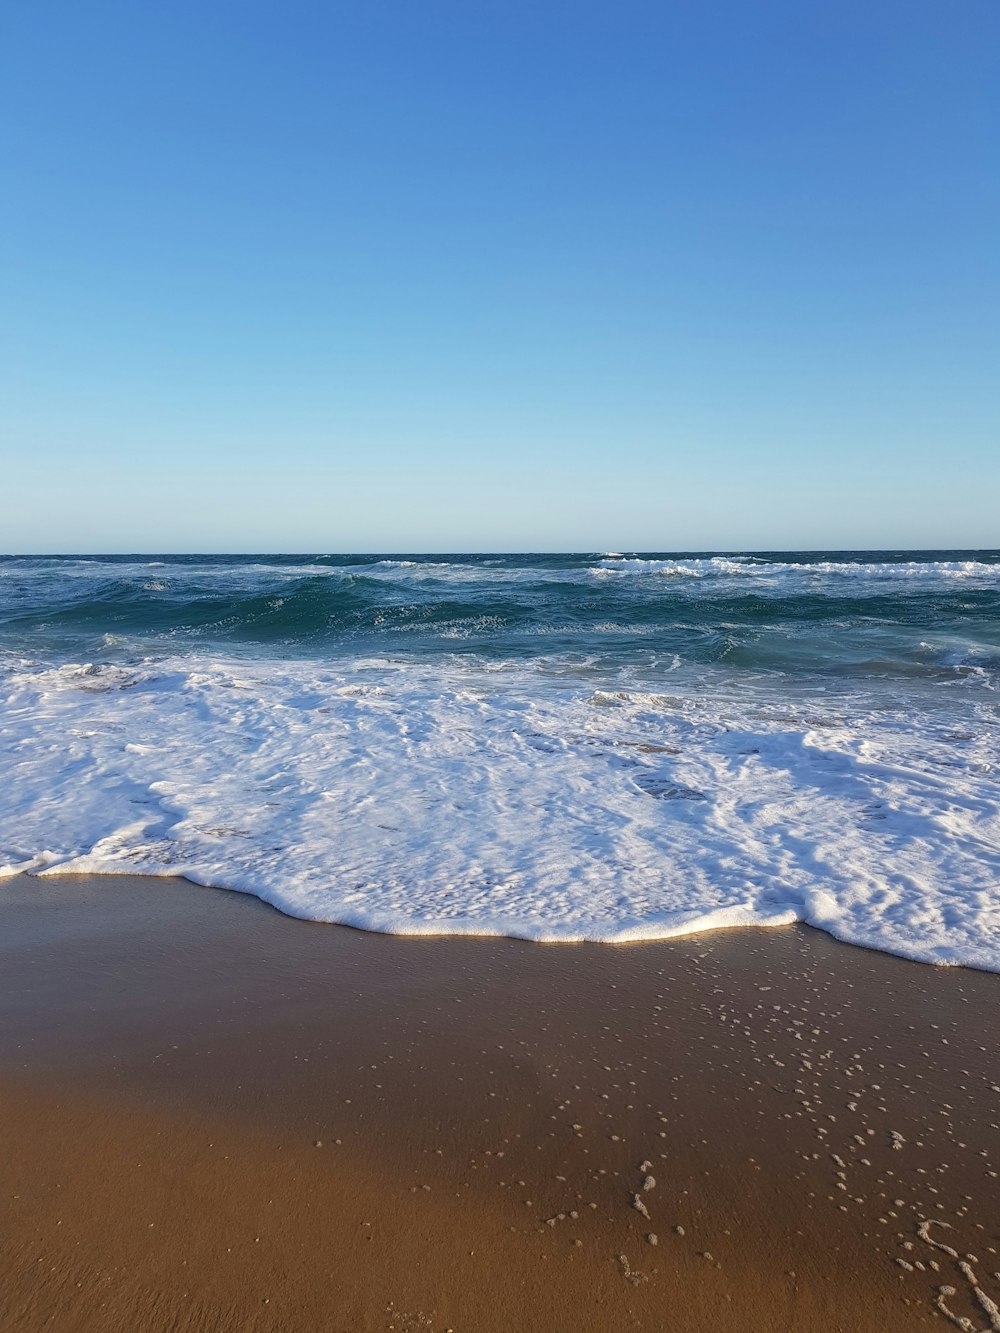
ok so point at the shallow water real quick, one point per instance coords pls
(559, 747)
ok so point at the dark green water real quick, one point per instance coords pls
(905, 613)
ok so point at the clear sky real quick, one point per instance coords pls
(453, 275)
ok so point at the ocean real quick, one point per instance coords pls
(608, 746)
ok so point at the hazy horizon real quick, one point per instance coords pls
(321, 553)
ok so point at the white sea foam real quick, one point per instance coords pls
(514, 798)
(870, 575)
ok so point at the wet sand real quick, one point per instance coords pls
(219, 1118)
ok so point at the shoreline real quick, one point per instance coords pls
(734, 917)
(173, 1056)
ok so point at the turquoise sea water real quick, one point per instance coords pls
(912, 613)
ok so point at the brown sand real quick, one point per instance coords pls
(218, 1118)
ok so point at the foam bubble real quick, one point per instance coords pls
(514, 798)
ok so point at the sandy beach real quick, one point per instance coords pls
(220, 1118)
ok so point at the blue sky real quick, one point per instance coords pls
(452, 276)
